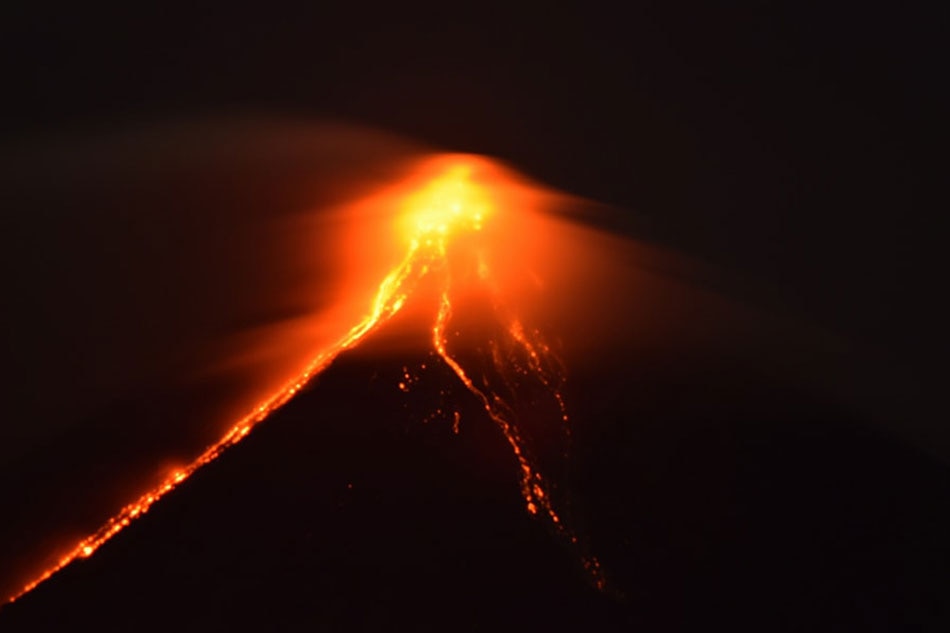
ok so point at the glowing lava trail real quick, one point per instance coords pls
(447, 211)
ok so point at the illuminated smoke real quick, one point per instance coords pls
(463, 224)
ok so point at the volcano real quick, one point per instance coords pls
(638, 451)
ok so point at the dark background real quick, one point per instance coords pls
(786, 144)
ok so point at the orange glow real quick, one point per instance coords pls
(447, 205)
(464, 225)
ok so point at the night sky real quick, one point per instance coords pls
(782, 146)
(784, 141)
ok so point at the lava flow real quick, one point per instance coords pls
(448, 213)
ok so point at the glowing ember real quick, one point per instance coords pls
(450, 209)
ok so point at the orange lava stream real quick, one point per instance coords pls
(449, 205)
(534, 488)
(389, 299)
